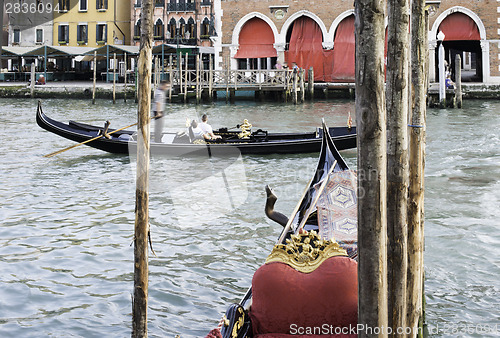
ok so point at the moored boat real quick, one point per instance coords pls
(310, 278)
(179, 144)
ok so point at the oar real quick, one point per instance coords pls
(87, 141)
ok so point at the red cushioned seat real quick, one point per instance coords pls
(286, 301)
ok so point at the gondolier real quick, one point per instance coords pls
(158, 108)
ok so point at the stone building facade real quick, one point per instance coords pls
(29, 23)
(476, 39)
(183, 22)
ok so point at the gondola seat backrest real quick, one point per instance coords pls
(300, 288)
(191, 134)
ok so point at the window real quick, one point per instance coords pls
(83, 5)
(182, 27)
(138, 3)
(63, 34)
(205, 29)
(17, 36)
(39, 36)
(190, 29)
(81, 34)
(101, 5)
(101, 33)
(63, 5)
(171, 34)
(137, 30)
(158, 30)
(159, 3)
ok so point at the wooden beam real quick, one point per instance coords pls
(372, 165)
(140, 298)
(397, 160)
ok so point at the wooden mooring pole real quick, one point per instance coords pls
(419, 70)
(372, 166)
(95, 76)
(397, 82)
(170, 78)
(310, 83)
(198, 86)
(140, 297)
(210, 78)
(186, 79)
(32, 80)
(114, 78)
(458, 81)
(125, 78)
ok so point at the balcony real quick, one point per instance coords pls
(181, 7)
(206, 3)
(160, 3)
(189, 42)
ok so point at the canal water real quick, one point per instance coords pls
(67, 222)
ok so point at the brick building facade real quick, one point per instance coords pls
(480, 49)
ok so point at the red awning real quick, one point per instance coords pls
(459, 26)
(306, 49)
(256, 40)
(344, 48)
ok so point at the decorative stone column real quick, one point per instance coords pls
(432, 60)
(485, 53)
(280, 48)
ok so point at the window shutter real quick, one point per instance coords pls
(106, 33)
(106, 4)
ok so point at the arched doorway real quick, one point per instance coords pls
(256, 46)
(305, 48)
(462, 37)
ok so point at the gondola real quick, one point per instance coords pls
(179, 144)
(308, 285)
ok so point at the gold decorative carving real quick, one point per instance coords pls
(305, 252)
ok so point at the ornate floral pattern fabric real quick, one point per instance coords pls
(338, 211)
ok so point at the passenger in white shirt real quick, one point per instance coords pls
(207, 128)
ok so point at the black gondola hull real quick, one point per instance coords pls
(278, 143)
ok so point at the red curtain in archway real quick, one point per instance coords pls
(459, 26)
(344, 49)
(306, 49)
(256, 40)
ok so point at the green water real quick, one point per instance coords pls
(67, 222)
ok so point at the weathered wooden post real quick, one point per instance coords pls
(186, 79)
(302, 85)
(95, 75)
(140, 298)
(171, 79)
(114, 78)
(294, 87)
(125, 78)
(32, 80)
(210, 78)
(310, 83)
(458, 81)
(397, 82)
(419, 65)
(372, 166)
(228, 67)
(198, 94)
